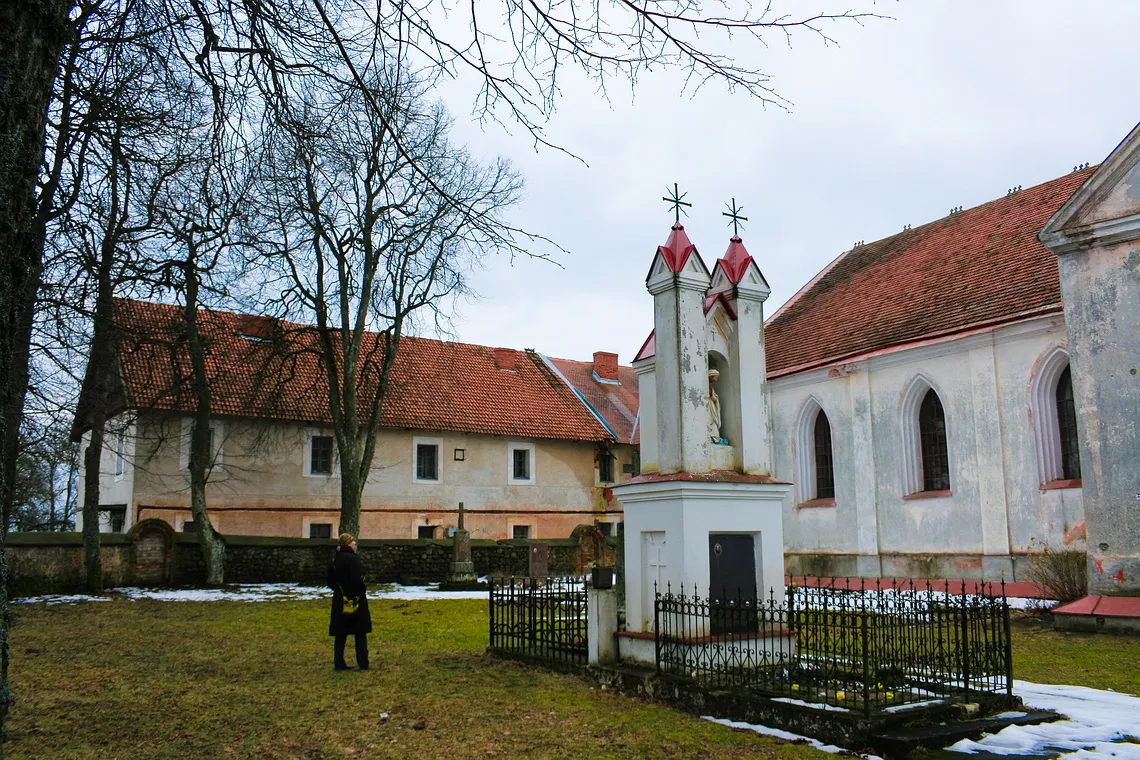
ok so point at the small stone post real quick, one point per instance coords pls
(601, 625)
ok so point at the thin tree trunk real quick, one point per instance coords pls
(92, 558)
(202, 447)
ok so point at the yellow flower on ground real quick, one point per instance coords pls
(840, 695)
(795, 687)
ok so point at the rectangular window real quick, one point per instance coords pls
(427, 461)
(120, 455)
(606, 528)
(321, 455)
(520, 531)
(425, 531)
(320, 530)
(521, 466)
(606, 468)
(189, 527)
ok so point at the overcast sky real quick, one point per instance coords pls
(951, 103)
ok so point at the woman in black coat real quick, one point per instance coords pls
(346, 578)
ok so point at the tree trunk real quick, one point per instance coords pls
(32, 35)
(92, 558)
(350, 490)
(202, 446)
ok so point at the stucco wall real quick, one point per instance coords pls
(1101, 290)
(996, 507)
(261, 487)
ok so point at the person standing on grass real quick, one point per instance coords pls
(350, 604)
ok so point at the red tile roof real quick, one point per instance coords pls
(435, 385)
(976, 268)
(617, 404)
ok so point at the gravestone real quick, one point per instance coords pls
(539, 566)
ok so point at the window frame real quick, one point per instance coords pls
(120, 454)
(307, 454)
(418, 441)
(933, 444)
(910, 440)
(807, 486)
(529, 531)
(512, 447)
(1046, 420)
(609, 459)
(311, 525)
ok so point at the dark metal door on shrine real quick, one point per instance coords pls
(732, 583)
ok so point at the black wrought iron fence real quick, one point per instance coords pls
(842, 644)
(540, 617)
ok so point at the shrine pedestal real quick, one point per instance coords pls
(694, 531)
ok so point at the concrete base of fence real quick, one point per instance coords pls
(637, 648)
(601, 608)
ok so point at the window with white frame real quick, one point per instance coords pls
(815, 463)
(924, 440)
(320, 454)
(427, 463)
(520, 463)
(215, 444)
(520, 531)
(320, 530)
(607, 465)
(1055, 420)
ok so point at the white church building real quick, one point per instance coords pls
(918, 399)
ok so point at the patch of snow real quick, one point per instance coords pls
(1099, 724)
(912, 705)
(788, 736)
(1023, 603)
(252, 592)
(51, 599)
(815, 705)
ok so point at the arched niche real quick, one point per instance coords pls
(728, 391)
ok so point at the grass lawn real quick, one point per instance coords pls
(1102, 661)
(230, 679)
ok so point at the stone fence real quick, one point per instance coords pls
(152, 554)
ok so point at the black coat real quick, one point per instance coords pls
(346, 578)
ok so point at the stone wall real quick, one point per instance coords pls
(52, 563)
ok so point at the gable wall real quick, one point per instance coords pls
(996, 508)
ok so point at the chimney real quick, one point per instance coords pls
(606, 366)
(505, 358)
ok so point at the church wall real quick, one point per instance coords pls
(113, 489)
(261, 487)
(996, 508)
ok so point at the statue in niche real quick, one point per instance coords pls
(714, 409)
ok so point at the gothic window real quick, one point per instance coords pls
(1067, 426)
(824, 472)
(932, 436)
(1055, 422)
(814, 457)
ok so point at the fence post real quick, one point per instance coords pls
(965, 639)
(656, 628)
(1008, 643)
(866, 660)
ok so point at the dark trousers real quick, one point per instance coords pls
(361, 651)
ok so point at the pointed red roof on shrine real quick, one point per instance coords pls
(677, 249)
(736, 260)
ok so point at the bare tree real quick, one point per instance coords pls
(364, 248)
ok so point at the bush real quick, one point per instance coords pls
(1061, 572)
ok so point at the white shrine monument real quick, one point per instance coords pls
(704, 514)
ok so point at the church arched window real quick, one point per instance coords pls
(1067, 427)
(1055, 421)
(932, 435)
(814, 459)
(824, 467)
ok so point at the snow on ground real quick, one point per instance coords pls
(1099, 724)
(787, 736)
(258, 592)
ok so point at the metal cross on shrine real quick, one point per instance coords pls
(677, 200)
(735, 217)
